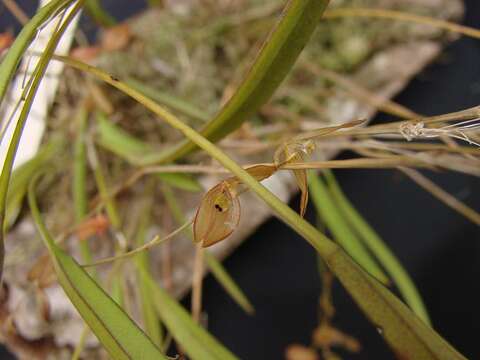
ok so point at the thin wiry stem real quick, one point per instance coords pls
(155, 241)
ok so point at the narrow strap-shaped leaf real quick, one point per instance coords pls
(277, 56)
(99, 14)
(121, 337)
(7, 68)
(408, 336)
(194, 340)
(118, 141)
(23, 39)
(228, 283)
(340, 229)
(18, 186)
(421, 338)
(376, 245)
(133, 150)
(172, 102)
(151, 321)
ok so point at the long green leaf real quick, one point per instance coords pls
(193, 339)
(393, 317)
(118, 141)
(120, 336)
(23, 174)
(340, 229)
(376, 245)
(228, 283)
(275, 60)
(133, 150)
(172, 102)
(150, 319)
(99, 14)
(406, 333)
(7, 69)
(180, 181)
(23, 39)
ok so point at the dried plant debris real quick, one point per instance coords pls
(325, 337)
(190, 56)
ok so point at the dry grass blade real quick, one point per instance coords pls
(360, 92)
(403, 16)
(16, 11)
(360, 163)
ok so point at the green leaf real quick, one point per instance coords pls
(99, 14)
(7, 69)
(118, 141)
(340, 229)
(172, 102)
(408, 336)
(375, 244)
(23, 174)
(22, 41)
(228, 283)
(120, 336)
(133, 150)
(275, 60)
(107, 199)
(194, 340)
(180, 181)
(79, 184)
(422, 339)
(150, 319)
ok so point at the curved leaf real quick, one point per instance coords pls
(121, 337)
(195, 341)
(277, 56)
(7, 69)
(341, 231)
(23, 174)
(408, 336)
(23, 39)
(376, 245)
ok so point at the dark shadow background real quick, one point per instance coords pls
(440, 249)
